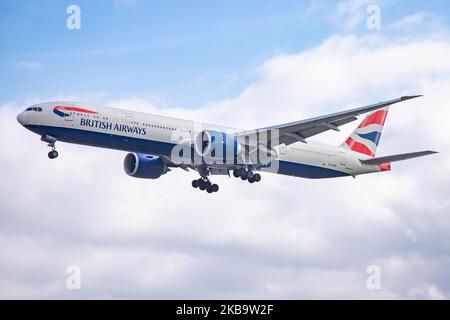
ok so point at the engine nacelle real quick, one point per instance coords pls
(144, 166)
(217, 145)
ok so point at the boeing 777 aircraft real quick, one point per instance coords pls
(157, 143)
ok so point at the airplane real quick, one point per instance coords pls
(157, 144)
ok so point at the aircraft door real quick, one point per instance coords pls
(69, 116)
(68, 119)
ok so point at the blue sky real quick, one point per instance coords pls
(182, 53)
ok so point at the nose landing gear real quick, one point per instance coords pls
(51, 143)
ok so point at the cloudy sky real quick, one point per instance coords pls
(245, 65)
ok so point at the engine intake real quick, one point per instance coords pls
(144, 166)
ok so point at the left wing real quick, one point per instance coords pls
(292, 132)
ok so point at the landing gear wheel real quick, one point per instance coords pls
(244, 176)
(250, 174)
(201, 184)
(53, 154)
(251, 180)
(257, 177)
(236, 173)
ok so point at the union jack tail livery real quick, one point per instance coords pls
(366, 137)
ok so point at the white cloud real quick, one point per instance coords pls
(420, 24)
(316, 6)
(30, 65)
(430, 292)
(408, 21)
(281, 238)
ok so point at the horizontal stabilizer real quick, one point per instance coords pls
(397, 157)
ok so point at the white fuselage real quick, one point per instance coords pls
(156, 135)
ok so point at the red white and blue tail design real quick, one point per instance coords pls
(366, 137)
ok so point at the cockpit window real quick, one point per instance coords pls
(37, 109)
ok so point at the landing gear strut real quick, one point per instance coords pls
(248, 175)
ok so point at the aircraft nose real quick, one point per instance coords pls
(22, 118)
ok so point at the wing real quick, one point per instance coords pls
(292, 132)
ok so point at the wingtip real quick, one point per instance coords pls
(411, 97)
(429, 152)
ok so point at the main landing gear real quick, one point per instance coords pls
(248, 175)
(205, 184)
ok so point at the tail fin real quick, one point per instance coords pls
(365, 138)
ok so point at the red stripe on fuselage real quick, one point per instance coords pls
(75, 109)
(358, 147)
(378, 117)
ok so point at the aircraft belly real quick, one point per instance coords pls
(307, 166)
(307, 170)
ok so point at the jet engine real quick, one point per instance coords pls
(144, 166)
